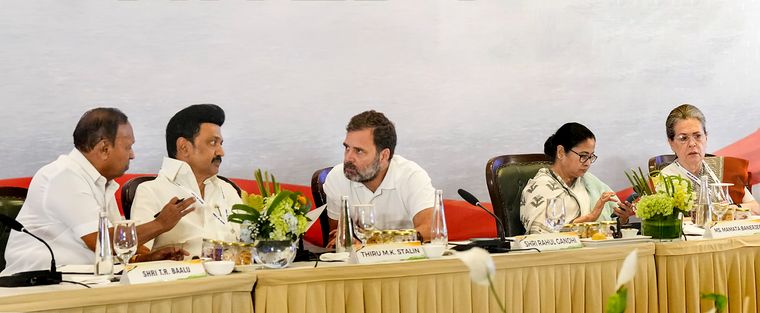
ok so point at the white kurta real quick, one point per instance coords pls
(62, 205)
(209, 220)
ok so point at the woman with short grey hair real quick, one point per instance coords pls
(687, 136)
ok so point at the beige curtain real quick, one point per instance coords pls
(578, 280)
(223, 294)
(726, 266)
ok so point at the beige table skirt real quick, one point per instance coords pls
(728, 266)
(578, 280)
(224, 294)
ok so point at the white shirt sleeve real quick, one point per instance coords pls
(418, 192)
(144, 206)
(71, 199)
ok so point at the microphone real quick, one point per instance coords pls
(474, 201)
(493, 246)
(31, 278)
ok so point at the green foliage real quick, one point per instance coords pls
(617, 302)
(274, 214)
(721, 302)
(639, 182)
(669, 195)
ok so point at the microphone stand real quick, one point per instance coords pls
(500, 245)
(30, 278)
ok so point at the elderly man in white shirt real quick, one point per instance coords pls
(400, 189)
(65, 197)
(194, 144)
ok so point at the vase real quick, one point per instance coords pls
(663, 227)
(275, 253)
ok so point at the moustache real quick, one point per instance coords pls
(349, 165)
(217, 159)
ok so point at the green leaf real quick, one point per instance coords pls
(276, 201)
(244, 208)
(240, 218)
(618, 301)
(720, 300)
(260, 182)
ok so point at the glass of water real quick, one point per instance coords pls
(721, 199)
(364, 220)
(555, 213)
(125, 240)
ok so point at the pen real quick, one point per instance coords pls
(175, 202)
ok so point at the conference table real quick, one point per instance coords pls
(669, 278)
(729, 266)
(222, 294)
(578, 280)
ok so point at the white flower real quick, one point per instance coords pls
(628, 270)
(291, 221)
(480, 263)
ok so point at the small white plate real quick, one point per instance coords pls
(588, 242)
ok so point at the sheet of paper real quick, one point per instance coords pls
(313, 215)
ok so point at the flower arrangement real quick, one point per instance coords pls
(273, 214)
(665, 196)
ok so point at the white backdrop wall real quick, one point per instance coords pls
(462, 80)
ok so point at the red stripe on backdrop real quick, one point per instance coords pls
(747, 148)
(463, 220)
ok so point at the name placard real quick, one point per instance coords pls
(150, 272)
(389, 252)
(553, 241)
(733, 228)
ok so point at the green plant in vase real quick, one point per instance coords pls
(663, 198)
(273, 214)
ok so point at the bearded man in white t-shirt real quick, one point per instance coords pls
(65, 197)
(400, 190)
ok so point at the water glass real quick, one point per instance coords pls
(125, 240)
(364, 220)
(720, 199)
(555, 213)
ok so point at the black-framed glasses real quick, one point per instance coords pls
(586, 157)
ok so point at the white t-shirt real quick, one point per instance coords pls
(405, 191)
(176, 179)
(62, 205)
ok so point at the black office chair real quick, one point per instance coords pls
(128, 191)
(11, 201)
(506, 176)
(234, 185)
(320, 198)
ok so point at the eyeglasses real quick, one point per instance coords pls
(586, 157)
(684, 138)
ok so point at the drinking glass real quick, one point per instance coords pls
(125, 240)
(555, 213)
(364, 220)
(720, 199)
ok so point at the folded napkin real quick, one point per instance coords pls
(691, 229)
(334, 257)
